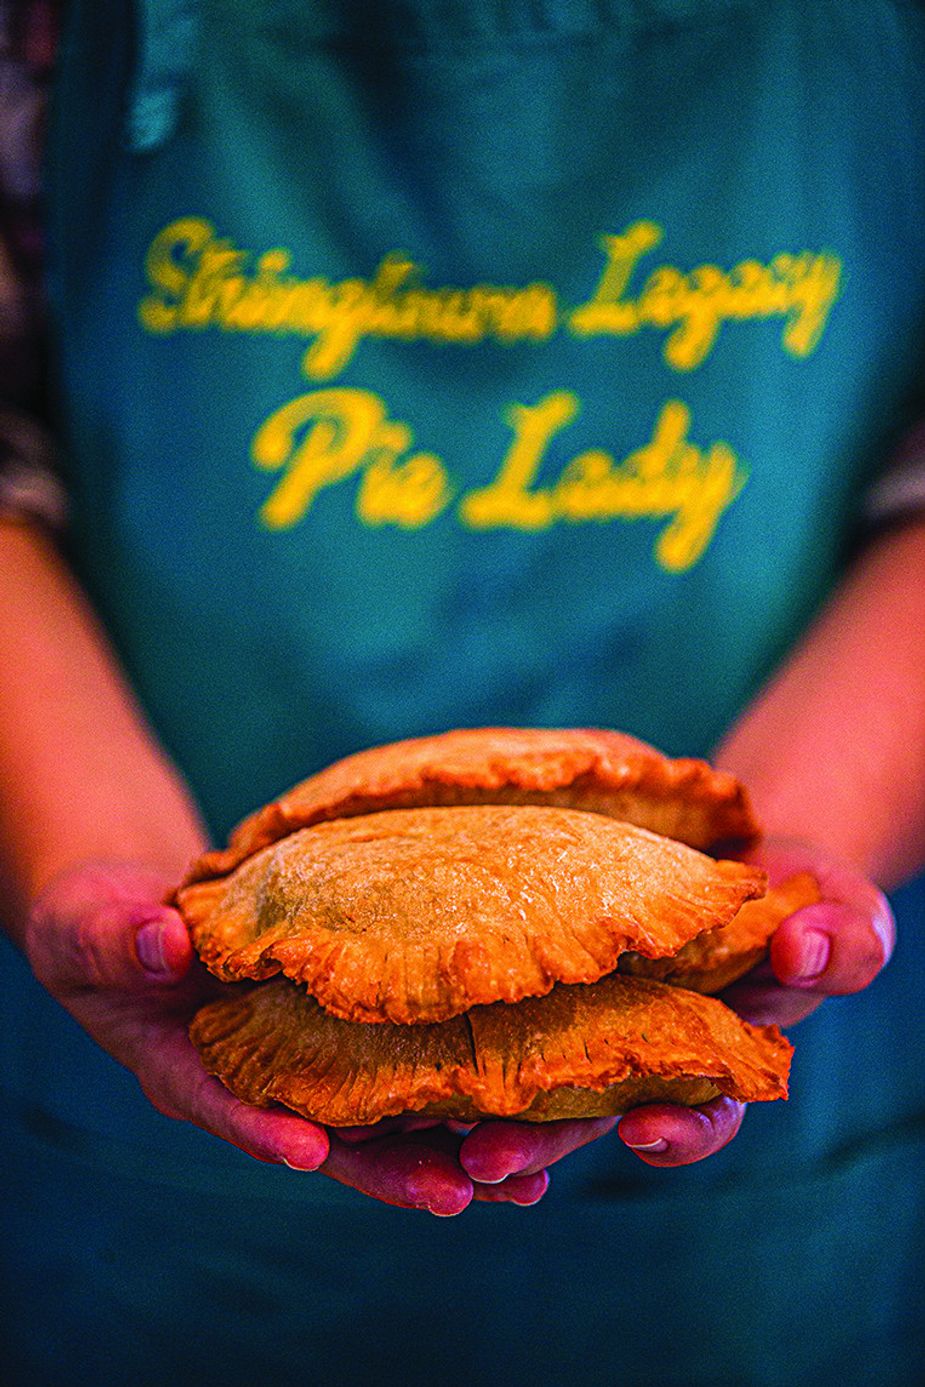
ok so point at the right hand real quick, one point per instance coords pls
(102, 943)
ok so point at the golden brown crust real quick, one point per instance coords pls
(580, 1051)
(416, 915)
(720, 956)
(580, 768)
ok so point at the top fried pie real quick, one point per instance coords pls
(417, 915)
(576, 768)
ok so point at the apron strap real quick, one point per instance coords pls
(167, 31)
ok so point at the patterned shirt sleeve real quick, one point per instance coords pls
(29, 483)
(899, 491)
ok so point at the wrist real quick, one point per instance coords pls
(826, 815)
(158, 853)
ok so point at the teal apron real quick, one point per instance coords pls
(428, 364)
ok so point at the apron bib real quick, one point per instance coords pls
(446, 365)
(451, 364)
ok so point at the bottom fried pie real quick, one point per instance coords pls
(580, 1051)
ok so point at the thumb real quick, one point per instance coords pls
(89, 933)
(126, 948)
(161, 946)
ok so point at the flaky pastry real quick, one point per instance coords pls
(415, 915)
(578, 768)
(721, 956)
(580, 1051)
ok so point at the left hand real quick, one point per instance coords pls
(834, 947)
(829, 949)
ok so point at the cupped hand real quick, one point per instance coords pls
(103, 944)
(834, 947)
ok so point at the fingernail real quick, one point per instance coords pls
(660, 1144)
(814, 955)
(505, 1168)
(883, 926)
(149, 946)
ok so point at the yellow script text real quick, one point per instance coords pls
(692, 306)
(326, 436)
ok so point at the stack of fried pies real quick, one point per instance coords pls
(504, 922)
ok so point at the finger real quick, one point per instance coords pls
(519, 1189)
(760, 999)
(495, 1150)
(105, 924)
(355, 1136)
(178, 1086)
(280, 1137)
(830, 948)
(664, 1134)
(411, 1171)
(115, 944)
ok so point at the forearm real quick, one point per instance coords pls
(81, 775)
(833, 749)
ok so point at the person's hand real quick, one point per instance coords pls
(121, 963)
(103, 944)
(499, 1153)
(834, 947)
